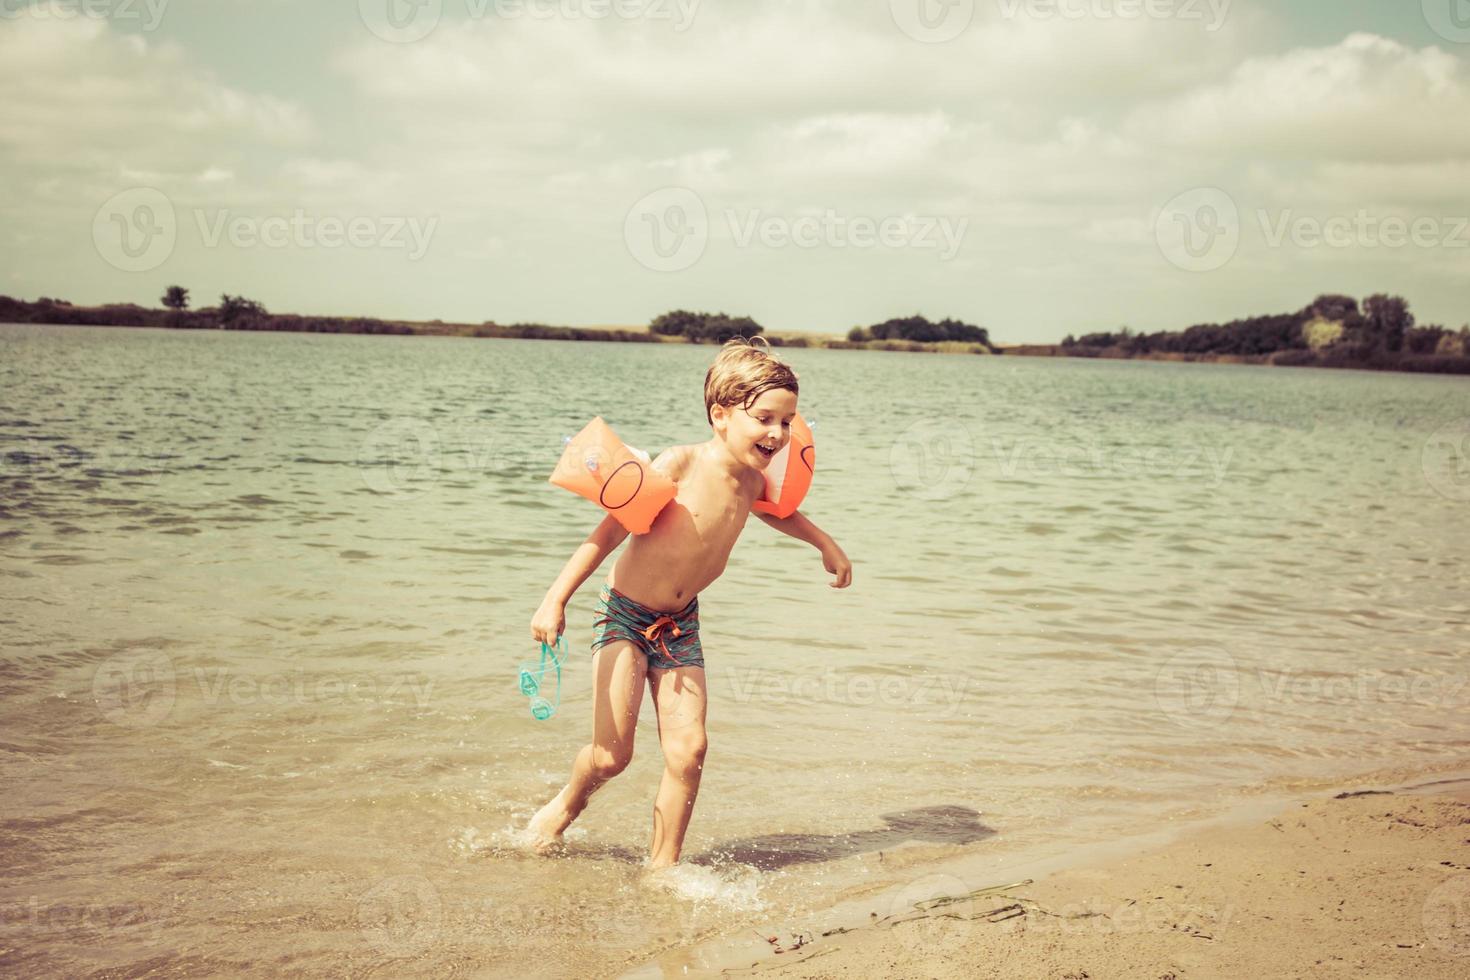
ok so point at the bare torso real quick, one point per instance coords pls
(690, 541)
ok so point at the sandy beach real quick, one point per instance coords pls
(1369, 883)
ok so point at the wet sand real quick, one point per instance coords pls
(1365, 884)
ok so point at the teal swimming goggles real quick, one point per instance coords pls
(533, 679)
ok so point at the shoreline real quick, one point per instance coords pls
(1414, 364)
(1183, 900)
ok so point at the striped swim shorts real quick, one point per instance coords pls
(669, 639)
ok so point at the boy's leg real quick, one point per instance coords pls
(681, 701)
(618, 672)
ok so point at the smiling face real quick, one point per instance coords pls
(755, 434)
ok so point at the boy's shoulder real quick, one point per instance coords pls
(677, 462)
(674, 462)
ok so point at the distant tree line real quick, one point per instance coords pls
(704, 328)
(918, 329)
(232, 313)
(540, 331)
(1331, 331)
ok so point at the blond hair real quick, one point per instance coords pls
(742, 372)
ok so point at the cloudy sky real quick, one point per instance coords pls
(1036, 166)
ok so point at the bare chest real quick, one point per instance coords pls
(713, 510)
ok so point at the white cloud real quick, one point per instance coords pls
(80, 96)
(1407, 184)
(1366, 99)
(531, 138)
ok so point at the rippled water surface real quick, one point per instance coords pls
(264, 597)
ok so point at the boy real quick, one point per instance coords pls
(648, 612)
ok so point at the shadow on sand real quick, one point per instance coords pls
(930, 824)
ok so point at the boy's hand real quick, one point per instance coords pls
(835, 561)
(549, 622)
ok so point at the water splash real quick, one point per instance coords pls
(724, 889)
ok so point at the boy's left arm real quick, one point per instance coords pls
(799, 526)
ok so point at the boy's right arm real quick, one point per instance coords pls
(550, 620)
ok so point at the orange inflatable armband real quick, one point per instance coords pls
(597, 465)
(789, 474)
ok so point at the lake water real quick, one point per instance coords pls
(264, 597)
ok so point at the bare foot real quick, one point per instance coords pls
(658, 876)
(543, 834)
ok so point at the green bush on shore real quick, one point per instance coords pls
(918, 329)
(701, 328)
(540, 331)
(1331, 331)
